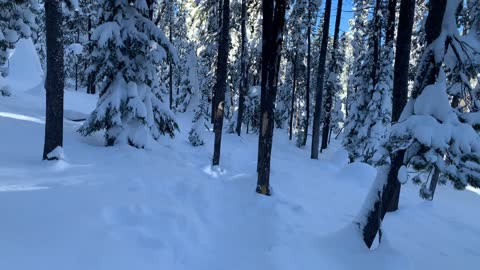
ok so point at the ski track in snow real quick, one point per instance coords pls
(166, 208)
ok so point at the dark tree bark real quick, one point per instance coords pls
(390, 33)
(221, 83)
(426, 76)
(91, 76)
(320, 81)
(309, 61)
(330, 87)
(400, 82)
(243, 71)
(376, 44)
(292, 107)
(215, 102)
(170, 63)
(54, 82)
(272, 39)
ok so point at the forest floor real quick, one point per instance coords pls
(166, 208)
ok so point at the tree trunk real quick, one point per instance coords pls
(243, 83)
(54, 82)
(272, 38)
(170, 63)
(390, 33)
(292, 108)
(320, 81)
(376, 44)
(433, 28)
(434, 182)
(309, 61)
(221, 83)
(91, 76)
(330, 88)
(77, 40)
(400, 80)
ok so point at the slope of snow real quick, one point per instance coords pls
(123, 208)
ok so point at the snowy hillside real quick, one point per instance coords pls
(123, 208)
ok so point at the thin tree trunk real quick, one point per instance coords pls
(272, 38)
(320, 81)
(77, 40)
(243, 83)
(390, 33)
(292, 108)
(376, 44)
(330, 88)
(91, 76)
(309, 61)
(170, 64)
(434, 182)
(221, 83)
(433, 29)
(54, 83)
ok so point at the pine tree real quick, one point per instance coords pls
(363, 82)
(127, 48)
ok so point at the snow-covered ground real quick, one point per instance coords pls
(121, 208)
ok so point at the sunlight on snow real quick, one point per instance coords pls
(472, 189)
(21, 117)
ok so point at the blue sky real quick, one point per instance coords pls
(346, 14)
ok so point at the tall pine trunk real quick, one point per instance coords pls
(91, 76)
(54, 83)
(320, 81)
(400, 85)
(309, 61)
(243, 69)
(272, 39)
(170, 62)
(330, 88)
(292, 105)
(221, 83)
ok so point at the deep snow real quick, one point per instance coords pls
(166, 208)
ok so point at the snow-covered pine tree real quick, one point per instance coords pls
(361, 82)
(127, 49)
(435, 136)
(358, 30)
(17, 20)
(185, 73)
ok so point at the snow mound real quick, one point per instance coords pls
(25, 70)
